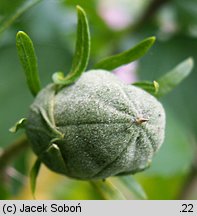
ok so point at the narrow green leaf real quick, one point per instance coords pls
(18, 125)
(28, 60)
(33, 176)
(171, 79)
(150, 87)
(107, 190)
(126, 57)
(132, 186)
(82, 52)
(19, 11)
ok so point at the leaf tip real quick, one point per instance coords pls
(20, 34)
(58, 77)
(18, 125)
(33, 176)
(190, 61)
(80, 9)
(151, 40)
(156, 86)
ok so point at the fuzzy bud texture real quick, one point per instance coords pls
(96, 128)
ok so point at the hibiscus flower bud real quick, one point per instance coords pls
(96, 128)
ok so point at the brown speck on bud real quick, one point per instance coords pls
(141, 120)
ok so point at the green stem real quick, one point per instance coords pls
(26, 6)
(190, 182)
(12, 151)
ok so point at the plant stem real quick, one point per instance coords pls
(190, 182)
(12, 151)
(8, 21)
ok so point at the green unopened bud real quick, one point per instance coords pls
(96, 128)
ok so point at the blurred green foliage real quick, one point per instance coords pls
(6, 8)
(52, 27)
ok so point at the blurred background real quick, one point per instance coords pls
(115, 25)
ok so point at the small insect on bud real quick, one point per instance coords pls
(141, 120)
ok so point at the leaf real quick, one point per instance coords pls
(150, 87)
(126, 57)
(133, 186)
(18, 12)
(82, 52)
(28, 60)
(107, 190)
(18, 125)
(171, 79)
(54, 157)
(33, 176)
